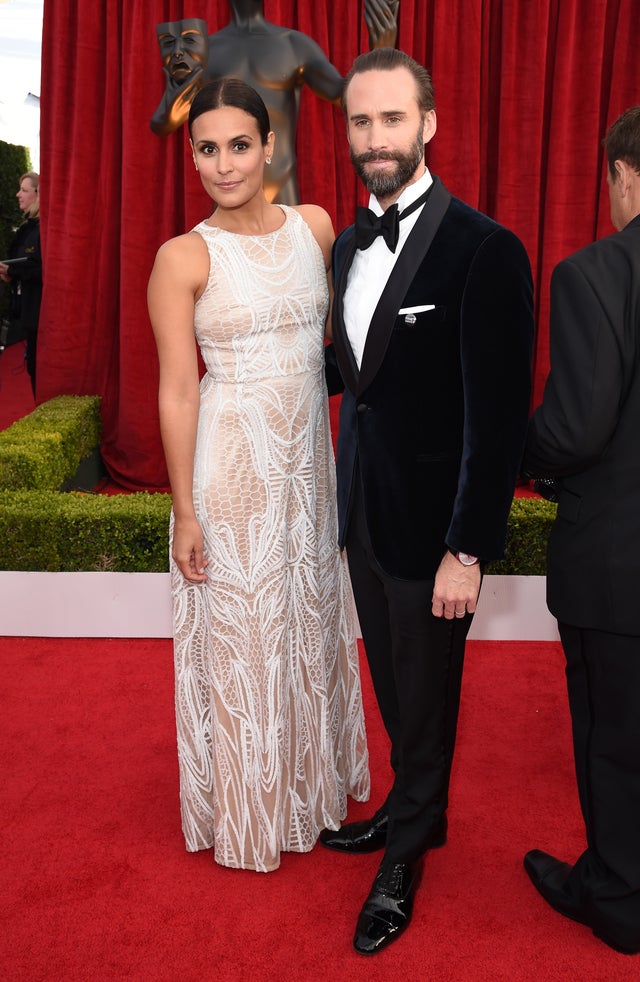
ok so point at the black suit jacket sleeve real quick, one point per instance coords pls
(587, 382)
(496, 338)
(26, 245)
(335, 385)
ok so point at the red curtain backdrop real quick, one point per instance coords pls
(525, 90)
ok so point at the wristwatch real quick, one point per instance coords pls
(466, 559)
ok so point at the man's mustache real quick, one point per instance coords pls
(371, 156)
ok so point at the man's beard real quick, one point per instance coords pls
(383, 184)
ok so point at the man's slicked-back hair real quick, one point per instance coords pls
(236, 94)
(622, 141)
(385, 60)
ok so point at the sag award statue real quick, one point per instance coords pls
(276, 61)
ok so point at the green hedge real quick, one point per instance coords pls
(14, 161)
(58, 532)
(53, 531)
(530, 521)
(44, 449)
(44, 529)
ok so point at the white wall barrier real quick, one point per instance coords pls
(138, 605)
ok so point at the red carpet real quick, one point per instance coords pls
(97, 885)
(16, 398)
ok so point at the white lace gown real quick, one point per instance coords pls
(270, 727)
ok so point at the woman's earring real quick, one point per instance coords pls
(268, 160)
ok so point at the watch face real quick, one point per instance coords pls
(466, 559)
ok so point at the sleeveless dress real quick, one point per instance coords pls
(270, 726)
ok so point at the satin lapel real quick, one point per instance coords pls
(402, 275)
(346, 360)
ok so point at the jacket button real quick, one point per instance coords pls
(362, 407)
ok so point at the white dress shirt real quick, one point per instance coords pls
(372, 267)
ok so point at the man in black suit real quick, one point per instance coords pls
(432, 330)
(586, 433)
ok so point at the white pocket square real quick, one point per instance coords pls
(417, 310)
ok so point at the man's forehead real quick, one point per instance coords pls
(389, 89)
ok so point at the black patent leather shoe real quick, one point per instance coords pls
(549, 876)
(387, 910)
(371, 835)
(358, 837)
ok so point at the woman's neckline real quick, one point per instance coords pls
(249, 235)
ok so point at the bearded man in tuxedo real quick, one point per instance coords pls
(432, 332)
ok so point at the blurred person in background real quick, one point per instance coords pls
(25, 278)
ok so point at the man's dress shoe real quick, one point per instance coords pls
(549, 876)
(387, 910)
(358, 837)
(371, 834)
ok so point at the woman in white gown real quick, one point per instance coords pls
(270, 727)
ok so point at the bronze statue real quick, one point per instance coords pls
(276, 61)
(184, 49)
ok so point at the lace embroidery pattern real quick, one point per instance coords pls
(270, 727)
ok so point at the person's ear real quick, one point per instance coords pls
(624, 175)
(268, 147)
(429, 126)
(193, 154)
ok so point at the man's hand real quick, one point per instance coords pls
(456, 588)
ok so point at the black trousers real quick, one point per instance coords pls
(603, 682)
(416, 663)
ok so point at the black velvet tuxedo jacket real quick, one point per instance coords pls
(587, 432)
(436, 416)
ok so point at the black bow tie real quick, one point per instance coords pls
(369, 225)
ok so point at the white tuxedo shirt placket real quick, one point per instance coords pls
(371, 268)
